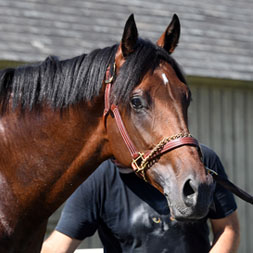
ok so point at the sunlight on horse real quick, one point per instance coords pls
(61, 119)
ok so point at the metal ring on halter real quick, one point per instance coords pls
(211, 171)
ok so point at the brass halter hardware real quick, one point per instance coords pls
(142, 162)
(212, 172)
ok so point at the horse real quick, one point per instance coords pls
(61, 118)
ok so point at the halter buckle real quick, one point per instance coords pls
(137, 163)
(110, 74)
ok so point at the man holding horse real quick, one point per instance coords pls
(132, 216)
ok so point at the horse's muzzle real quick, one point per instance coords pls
(192, 202)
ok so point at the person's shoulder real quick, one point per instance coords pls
(210, 158)
(97, 182)
(105, 168)
(208, 152)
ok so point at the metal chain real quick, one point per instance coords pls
(160, 145)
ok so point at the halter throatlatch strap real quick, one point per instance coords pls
(141, 161)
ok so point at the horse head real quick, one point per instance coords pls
(149, 99)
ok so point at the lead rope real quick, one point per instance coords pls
(231, 187)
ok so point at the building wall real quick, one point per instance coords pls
(217, 33)
(221, 116)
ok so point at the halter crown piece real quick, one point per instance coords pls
(142, 160)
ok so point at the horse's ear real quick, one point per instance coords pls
(130, 37)
(170, 37)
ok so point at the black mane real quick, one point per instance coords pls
(58, 83)
(63, 83)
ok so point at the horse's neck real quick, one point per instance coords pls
(86, 160)
(45, 158)
(75, 153)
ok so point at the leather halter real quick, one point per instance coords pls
(140, 160)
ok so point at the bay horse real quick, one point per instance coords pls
(61, 119)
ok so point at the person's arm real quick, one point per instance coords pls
(59, 243)
(226, 234)
(80, 214)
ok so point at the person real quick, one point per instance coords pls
(130, 215)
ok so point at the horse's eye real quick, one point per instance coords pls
(136, 103)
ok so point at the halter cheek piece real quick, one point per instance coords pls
(140, 160)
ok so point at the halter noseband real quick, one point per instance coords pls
(141, 161)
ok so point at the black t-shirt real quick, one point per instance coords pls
(132, 216)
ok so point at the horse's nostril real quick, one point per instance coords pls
(190, 193)
(189, 188)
